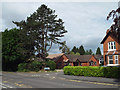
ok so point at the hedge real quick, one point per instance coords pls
(108, 72)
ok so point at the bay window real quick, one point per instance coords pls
(116, 59)
(110, 59)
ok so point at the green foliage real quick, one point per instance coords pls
(51, 64)
(64, 48)
(98, 52)
(77, 53)
(32, 66)
(41, 30)
(11, 56)
(90, 52)
(81, 50)
(87, 52)
(22, 67)
(109, 72)
(74, 49)
(72, 53)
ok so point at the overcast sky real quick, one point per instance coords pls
(85, 21)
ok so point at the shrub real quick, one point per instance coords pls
(111, 72)
(32, 66)
(51, 64)
(35, 66)
(22, 66)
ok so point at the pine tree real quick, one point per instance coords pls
(41, 30)
(64, 48)
(90, 52)
(98, 52)
(74, 49)
(81, 50)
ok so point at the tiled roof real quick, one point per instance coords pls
(81, 58)
(52, 56)
(98, 56)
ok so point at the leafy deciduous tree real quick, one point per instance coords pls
(11, 56)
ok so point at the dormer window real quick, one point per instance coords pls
(111, 46)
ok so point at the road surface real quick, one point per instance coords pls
(47, 80)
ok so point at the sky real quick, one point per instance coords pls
(85, 21)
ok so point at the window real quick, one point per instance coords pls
(110, 59)
(95, 63)
(111, 46)
(91, 63)
(116, 59)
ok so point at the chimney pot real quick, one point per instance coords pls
(107, 31)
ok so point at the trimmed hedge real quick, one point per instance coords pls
(109, 72)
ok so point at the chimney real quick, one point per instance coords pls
(107, 31)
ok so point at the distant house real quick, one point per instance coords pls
(111, 48)
(61, 60)
(84, 60)
(75, 60)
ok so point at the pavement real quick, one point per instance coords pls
(54, 80)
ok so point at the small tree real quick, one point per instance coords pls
(98, 52)
(72, 53)
(77, 53)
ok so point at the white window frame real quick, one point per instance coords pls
(116, 59)
(110, 59)
(111, 46)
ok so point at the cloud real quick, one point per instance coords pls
(85, 22)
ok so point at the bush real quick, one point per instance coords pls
(51, 64)
(22, 67)
(35, 66)
(32, 66)
(111, 72)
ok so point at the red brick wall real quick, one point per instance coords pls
(105, 49)
(63, 57)
(94, 60)
(85, 64)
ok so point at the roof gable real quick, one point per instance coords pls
(113, 34)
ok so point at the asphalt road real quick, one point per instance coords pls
(46, 80)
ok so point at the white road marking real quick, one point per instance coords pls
(47, 74)
(5, 86)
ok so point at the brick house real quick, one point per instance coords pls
(84, 60)
(62, 60)
(111, 48)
